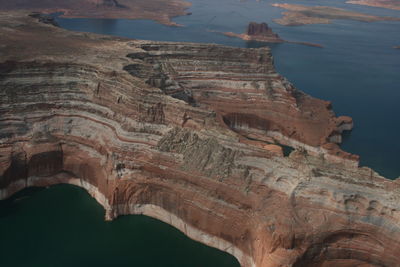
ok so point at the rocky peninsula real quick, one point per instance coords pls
(191, 134)
(390, 4)
(157, 10)
(302, 15)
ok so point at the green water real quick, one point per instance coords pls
(62, 226)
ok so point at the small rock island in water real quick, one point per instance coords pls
(389, 4)
(257, 32)
(261, 32)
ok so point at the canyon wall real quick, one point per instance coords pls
(191, 134)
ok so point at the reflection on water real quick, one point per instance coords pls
(358, 70)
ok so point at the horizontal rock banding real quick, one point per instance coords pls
(207, 165)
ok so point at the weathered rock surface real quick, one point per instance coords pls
(261, 32)
(258, 32)
(302, 15)
(260, 29)
(74, 108)
(390, 4)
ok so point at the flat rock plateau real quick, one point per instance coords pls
(191, 134)
(302, 15)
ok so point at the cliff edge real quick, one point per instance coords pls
(191, 134)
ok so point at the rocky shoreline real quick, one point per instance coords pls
(157, 10)
(191, 134)
(389, 4)
(298, 15)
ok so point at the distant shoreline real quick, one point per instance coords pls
(105, 9)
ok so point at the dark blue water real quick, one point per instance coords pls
(358, 70)
(62, 226)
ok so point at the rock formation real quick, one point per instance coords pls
(260, 32)
(390, 4)
(262, 29)
(257, 32)
(302, 15)
(190, 134)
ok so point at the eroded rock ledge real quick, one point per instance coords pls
(103, 113)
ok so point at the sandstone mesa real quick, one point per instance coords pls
(257, 32)
(190, 134)
(261, 32)
(302, 15)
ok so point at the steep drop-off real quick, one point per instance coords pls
(190, 134)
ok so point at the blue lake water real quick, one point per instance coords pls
(358, 69)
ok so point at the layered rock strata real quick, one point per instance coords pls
(74, 108)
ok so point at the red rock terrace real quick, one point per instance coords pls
(190, 134)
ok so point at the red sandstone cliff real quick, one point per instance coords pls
(105, 114)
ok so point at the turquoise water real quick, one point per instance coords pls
(62, 226)
(358, 70)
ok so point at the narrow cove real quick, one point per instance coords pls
(63, 226)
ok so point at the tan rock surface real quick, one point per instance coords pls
(302, 15)
(70, 113)
(390, 4)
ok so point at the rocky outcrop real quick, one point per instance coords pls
(302, 15)
(260, 29)
(188, 134)
(261, 32)
(257, 32)
(244, 91)
(390, 4)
